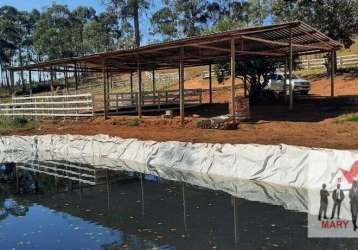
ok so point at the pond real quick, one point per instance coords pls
(68, 205)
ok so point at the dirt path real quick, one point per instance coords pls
(327, 134)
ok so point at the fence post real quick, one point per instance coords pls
(13, 108)
(35, 109)
(117, 108)
(93, 106)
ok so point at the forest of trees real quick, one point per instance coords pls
(58, 32)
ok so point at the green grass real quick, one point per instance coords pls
(133, 122)
(353, 118)
(8, 125)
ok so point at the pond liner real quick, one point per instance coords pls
(270, 165)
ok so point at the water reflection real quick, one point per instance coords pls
(72, 205)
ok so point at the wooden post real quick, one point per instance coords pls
(139, 101)
(108, 90)
(51, 76)
(153, 86)
(245, 85)
(12, 82)
(332, 72)
(233, 91)
(210, 86)
(290, 71)
(66, 81)
(111, 81)
(76, 79)
(131, 85)
(104, 91)
(284, 80)
(30, 82)
(181, 85)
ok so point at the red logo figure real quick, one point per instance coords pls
(352, 174)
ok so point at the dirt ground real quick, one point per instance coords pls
(317, 121)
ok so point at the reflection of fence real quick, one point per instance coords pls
(125, 100)
(49, 106)
(342, 62)
(75, 172)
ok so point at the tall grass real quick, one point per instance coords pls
(8, 125)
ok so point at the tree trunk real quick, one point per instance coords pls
(21, 71)
(136, 25)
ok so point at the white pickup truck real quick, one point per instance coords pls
(276, 83)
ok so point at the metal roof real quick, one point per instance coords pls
(272, 41)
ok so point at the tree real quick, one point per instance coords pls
(258, 11)
(164, 22)
(125, 9)
(181, 18)
(10, 37)
(79, 18)
(54, 33)
(337, 19)
(192, 16)
(101, 33)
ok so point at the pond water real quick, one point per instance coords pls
(64, 205)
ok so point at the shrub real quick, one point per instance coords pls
(133, 122)
(353, 118)
(8, 124)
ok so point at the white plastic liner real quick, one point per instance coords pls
(276, 166)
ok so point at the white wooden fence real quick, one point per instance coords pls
(342, 62)
(158, 99)
(49, 106)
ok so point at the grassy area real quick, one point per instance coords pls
(353, 118)
(134, 122)
(8, 125)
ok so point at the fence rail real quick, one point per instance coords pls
(49, 106)
(158, 99)
(342, 62)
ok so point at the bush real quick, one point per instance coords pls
(353, 118)
(20, 121)
(8, 124)
(133, 122)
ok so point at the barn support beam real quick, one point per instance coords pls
(30, 82)
(52, 83)
(131, 87)
(76, 79)
(139, 101)
(108, 81)
(290, 71)
(105, 102)
(210, 86)
(233, 89)
(333, 66)
(285, 80)
(154, 85)
(181, 85)
(66, 82)
(12, 83)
